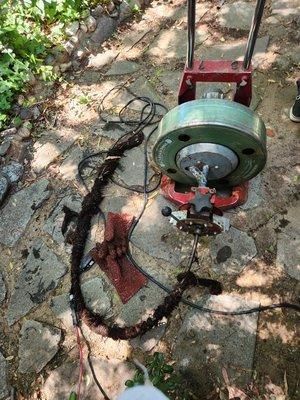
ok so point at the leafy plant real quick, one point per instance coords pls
(162, 376)
(28, 31)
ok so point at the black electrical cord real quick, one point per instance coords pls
(101, 389)
(147, 118)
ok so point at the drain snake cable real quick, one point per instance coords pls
(90, 207)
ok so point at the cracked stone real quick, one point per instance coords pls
(4, 385)
(217, 342)
(16, 214)
(4, 185)
(38, 344)
(172, 44)
(236, 51)
(2, 288)
(231, 251)
(13, 171)
(69, 168)
(40, 275)
(50, 146)
(96, 296)
(122, 68)
(288, 244)
(53, 225)
(230, 15)
(256, 99)
(111, 373)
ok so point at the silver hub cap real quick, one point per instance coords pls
(220, 159)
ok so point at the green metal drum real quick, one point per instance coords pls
(225, 135)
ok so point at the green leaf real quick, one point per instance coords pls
(129, 383)
(73, 396)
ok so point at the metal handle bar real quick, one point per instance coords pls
(255, 24)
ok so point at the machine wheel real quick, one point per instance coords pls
(227, 136)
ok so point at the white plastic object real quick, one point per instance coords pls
(142, 393)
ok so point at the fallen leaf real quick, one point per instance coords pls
(236, 393)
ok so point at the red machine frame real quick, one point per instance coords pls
(238, 72)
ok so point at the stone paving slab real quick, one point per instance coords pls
(16, 214)
(110, 131)
(111, 373)
(166, 11)
(38, 345)
(131, 204)
(142, 87)
(141, 304)
(51, 145)
(96, 297)
(285, 9)
(134, 37)
(39, 276)
(68, 169)
(131, 168)
(171, 44)
(4, 385)
(123, 68)
(231, 251)
(12, 171)
(155, 235)
(207, 343)
(236, 51)
(237, 15)
(288, 244)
